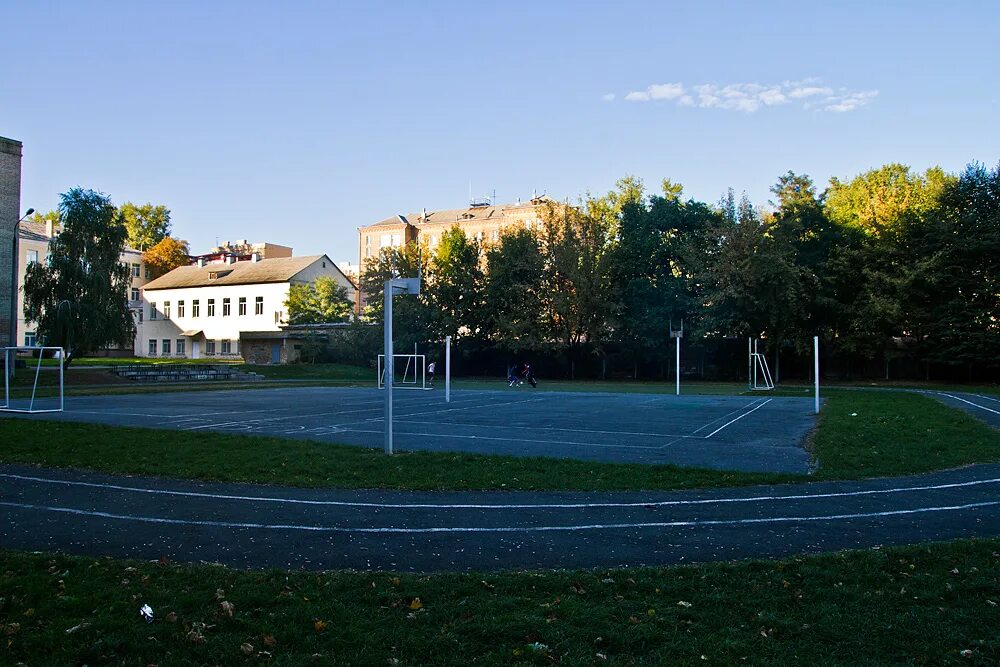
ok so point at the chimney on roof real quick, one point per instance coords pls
(201, 261)
(423, 214)
(255, 257)
(49, 228)
(231, 258)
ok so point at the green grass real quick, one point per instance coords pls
(893, 434)
(911, 605)
(896, 433)
(269, 460)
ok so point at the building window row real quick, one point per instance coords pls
(196, 307)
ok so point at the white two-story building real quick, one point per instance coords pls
(203, 310)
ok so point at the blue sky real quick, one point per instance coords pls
(295, 123)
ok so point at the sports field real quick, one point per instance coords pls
(749, 433)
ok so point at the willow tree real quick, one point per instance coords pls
(79, 297)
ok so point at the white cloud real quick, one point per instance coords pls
(657, 91)
(610, 97)
(750, 97)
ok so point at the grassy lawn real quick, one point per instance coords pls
(892, 434)
(926, 604)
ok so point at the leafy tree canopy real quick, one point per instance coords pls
(79, 299)
(146, 224)
(321, 302)
(166, 256)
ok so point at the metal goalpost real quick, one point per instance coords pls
(759, 374)
(10, 357)
(410, 371)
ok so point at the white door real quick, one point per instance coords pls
(195, 350)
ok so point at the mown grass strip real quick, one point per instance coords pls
(931, 604)
(280, 461)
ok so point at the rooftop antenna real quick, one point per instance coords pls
(470, 192)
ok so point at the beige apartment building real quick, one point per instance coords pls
(480, 221)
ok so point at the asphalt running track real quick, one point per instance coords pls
(982, 407)
(256, 526)
(751, 433)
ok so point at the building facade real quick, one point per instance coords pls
(205, 310)
(483, 222)
(242, 251)
(10, 213)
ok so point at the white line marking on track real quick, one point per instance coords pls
(658, 503)
(504, 529)
(738, 418)
(981, 407)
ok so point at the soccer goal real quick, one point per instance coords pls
(759, 376)
(409, 371)
(46, 381)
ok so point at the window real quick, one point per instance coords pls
(32, 257)
(180, 308)
(166, 347)
(152, 310)
(368, 246)
(385, 240)
(195, 308)
(226, 307)
(210, 347)
(135, 271)
(135, 293)
(180, 347)
(29, 338)
(139, 311)
(166, 310)
(227, 347)
(243, 305)
(211, 309)
(258, 306)
(278, 316)
(152, 346)
(149, 271)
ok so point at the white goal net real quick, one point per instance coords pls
(33, 379)
(409, 371)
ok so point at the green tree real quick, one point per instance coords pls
(320, 302)
(513, 291)
(79, 299)
(410, 314)
(453, 286)
(166, 256)
(147, 224)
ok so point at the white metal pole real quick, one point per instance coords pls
(388, 370)
(447, 369)
(62, 390)
(678, 370)
(749, 363)
(816, 369)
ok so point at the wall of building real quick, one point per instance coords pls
(218, 327)
(10, 213)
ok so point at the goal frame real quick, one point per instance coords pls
(10, 356)
(759, 376)
(419, 371)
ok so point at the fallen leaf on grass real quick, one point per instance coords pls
(195, 637)
(416, 604)
(227, 608)
(319, 625)
(171, 617)
(246, 648)
(269, 641)
(77, 628)
(682, 603)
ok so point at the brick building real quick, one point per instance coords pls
(10, 213)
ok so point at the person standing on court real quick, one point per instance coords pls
(529, 374)
(430, 373)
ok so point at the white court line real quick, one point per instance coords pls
(738, 418)
(988, 398)
(646, 504)
(733, 412)
(981, 407)
(504, 529)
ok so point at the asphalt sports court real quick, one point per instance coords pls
(750, 433)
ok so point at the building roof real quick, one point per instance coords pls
(459, 215)
(277, 270)
(38, 231)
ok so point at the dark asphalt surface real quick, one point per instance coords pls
(981, 406)
(257, 526)
(751, 433)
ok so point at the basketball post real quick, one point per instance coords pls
(816, 370)
(677, 335)
(447, 369)
(403, 286)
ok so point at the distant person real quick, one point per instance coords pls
(430, 372)
(512, 378)
(529, 374)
